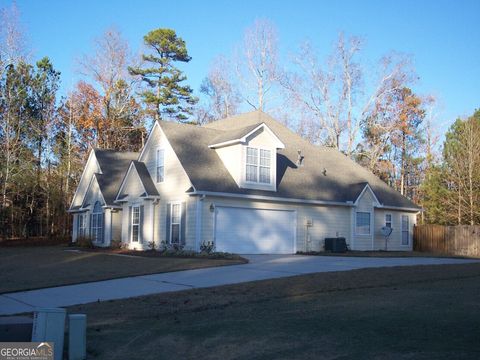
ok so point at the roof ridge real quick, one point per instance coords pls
(190, 126)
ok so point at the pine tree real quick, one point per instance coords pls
(165, 94)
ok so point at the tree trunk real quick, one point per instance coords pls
(403, 164)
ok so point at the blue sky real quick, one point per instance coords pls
(442, 36)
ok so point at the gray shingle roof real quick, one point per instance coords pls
(114, 165)
(145, 178)
(234, 134)
(327, 174)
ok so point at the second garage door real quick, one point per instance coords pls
(254, 231)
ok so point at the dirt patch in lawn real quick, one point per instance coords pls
(27, 268)
(422, 312)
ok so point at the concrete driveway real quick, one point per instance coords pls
(261, 267)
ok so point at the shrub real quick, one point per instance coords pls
(85, 242)
(164, 247)
(207, 247)
(116, 244)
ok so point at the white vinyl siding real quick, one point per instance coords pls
(160, 165)
(91, 167)
(327, 221)
(116, 225)
(258, 165)
(362, 224)
(135, 223)
(395, 238)
(405, 230)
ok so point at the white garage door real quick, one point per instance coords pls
(254, 231)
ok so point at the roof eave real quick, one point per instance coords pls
(409, 209)
(272, 198)
(243, 139)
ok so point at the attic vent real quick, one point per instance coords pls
(300, 158)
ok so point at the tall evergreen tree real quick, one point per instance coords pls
(433, 192)
(461, 153)
(165, 94)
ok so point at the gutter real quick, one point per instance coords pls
(416, 210)
(349, 204)
(270, 198)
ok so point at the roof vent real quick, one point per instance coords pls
(300, 158)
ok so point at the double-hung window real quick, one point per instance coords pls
(160, 168)
(388, 220)
(362, 225)
(405, 230)
(135, 223)
(258, 164)
(175, 223)
(82, 225)
(97, 223)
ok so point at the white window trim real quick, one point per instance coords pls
(179, 203)
(407, 231)
(258, 183)
(369, 225)
(157, 165)
(96, 215)
(131, 222)
(82, 227)
(391, 220)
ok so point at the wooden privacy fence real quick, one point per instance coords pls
(461, 240)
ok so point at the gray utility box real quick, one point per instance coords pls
(336, 245)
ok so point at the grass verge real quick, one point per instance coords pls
(27, 268)
(422, 312)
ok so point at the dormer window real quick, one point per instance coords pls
(250, 155)
(258, 165)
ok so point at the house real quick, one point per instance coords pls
(95, 213)
(246, 183)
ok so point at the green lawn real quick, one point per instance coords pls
(394, 254)
(24, 268)
(423, 312)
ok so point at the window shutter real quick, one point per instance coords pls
(140, 226)
(102, 234)
(91, 226)
(167, 226)
(129, 235)
(76, 225)
(183, 223)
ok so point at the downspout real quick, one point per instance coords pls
(152, 213)
(198, 221)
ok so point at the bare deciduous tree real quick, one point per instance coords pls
(257, 64)
(13, 44)
(223, 98)
(334, 98)
(107, 69)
